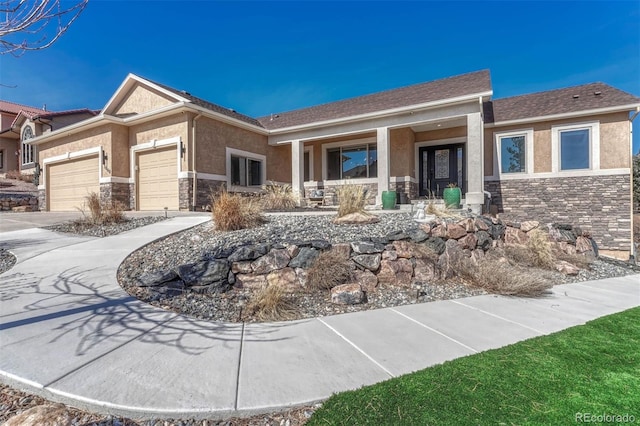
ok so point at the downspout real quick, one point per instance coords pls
(39, 120)
(633, 244)
(194, 197)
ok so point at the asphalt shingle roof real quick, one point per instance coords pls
(571, 99)
(446, 88)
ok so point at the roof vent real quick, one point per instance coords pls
(184, 92)
(232, 110)
(598, 93)
(576, 96)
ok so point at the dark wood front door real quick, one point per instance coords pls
(440, 166)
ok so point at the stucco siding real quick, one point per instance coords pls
(212, 139)
(614, 141)
(434, 135)
(279, 163)
(402, 162)
(140, 100)
(119, 159)
(164, 128)
(10, 159)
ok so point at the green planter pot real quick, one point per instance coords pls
(452, 197)
(389, 200)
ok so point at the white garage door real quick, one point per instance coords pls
(158, 179)
(70, 182)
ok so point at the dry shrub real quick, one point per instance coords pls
(540, 248)
(271, 304)
(102, 213)
(328, 270)
(231, 212)
(440, 211)
(495, 275)
(278, 197)
(351, 199)
(518, 254)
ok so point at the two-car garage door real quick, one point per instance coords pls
(70, 182)
(157, 181)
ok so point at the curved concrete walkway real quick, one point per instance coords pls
(70, 333)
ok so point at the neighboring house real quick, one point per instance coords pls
(562, 155)
(10, 151)
(21, 123)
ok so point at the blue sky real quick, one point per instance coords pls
(265, 57)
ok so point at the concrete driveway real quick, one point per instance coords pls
(11, 221)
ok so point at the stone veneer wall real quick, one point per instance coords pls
(42, 199)
(600, 205)
(116, 192)
(203, 197)
(24, 201)
(409, 188)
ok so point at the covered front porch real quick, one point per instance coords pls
(417, 154)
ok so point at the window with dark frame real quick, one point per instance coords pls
(352, 162)
(246, 171)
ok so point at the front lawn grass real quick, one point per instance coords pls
(593, 368)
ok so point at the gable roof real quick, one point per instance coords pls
(587, 97)
(432, 91)
(209, 105)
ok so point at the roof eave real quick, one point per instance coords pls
(383, 113)
(595, 111)
(74, 128)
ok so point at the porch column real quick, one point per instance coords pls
(297, 169)
(475, 162)
(383, 162)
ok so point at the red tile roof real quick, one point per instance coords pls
(13, 108)
(586, 97)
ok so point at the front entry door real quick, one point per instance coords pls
(440, 166)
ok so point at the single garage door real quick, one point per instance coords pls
(158, 179)
(70, 182)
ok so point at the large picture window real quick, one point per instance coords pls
(575, 149)
(352, 162)
(246, 171)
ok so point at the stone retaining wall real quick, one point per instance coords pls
(600, 205)
(23, 202)
(404, 258)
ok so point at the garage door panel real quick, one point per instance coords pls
(158, 179)
(70, 182)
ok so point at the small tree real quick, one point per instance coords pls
(35, 24)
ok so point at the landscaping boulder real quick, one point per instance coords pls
(367, 247)
(368, 261)
(243, 267)
(204, 273)
(251, 252)
(436, 244)
(275, 259)
(515, 236)
(342, 250)
(367, 280)
(497, 230)
(356, 219)
(529, 225)
(566, 268)
(469, 241)
(251, 281)
(285, 278)
(455, 231)
(305, 258)
(301, 275)
(168, 289)
(397, 235)
(481, 224)
(425, 271)
(320, 244)
(450, 259)
(347, 294)
(395, 272)
(152, 279)
(417, 235)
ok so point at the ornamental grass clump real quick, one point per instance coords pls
(272, 303)
(102, 212)
(278, 197)
(351, 199)
(328, 270)
(231, 212)
(540, 248)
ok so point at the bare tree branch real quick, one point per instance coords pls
(35, 24)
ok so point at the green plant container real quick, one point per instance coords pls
(452, 197)
(388, 200)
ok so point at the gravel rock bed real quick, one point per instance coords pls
(85, 228)
(203, 242)
(7, 260)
